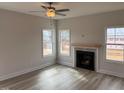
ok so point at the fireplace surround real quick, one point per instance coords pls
(86, 49)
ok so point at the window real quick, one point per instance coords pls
(65, 42)
(115, 44)
(47, 42)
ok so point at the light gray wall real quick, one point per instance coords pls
(93, 29)
(20, 44)
(20, 40)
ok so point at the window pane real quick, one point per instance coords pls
(119, 36)
(115, 52)
(119, 39)
(110, 39)
(119, 31)
(110, 31)
(65, 42)
(110, 35)
(47, 42)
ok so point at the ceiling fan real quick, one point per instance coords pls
(51, 11)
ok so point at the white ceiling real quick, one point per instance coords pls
(76, 9)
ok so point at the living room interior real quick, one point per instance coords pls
(61, 45)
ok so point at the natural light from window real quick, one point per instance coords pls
(115, 44)
(47, 42)
(65, 42)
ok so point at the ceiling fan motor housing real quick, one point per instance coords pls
(50, 12)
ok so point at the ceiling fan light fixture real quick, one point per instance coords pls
(51, 13)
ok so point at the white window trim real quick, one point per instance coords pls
(52, 43)
(106, 60)
(69, 43)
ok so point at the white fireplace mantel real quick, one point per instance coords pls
(93, 48)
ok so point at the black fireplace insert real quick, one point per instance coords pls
(85, 59)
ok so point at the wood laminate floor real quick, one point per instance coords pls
(58, 77)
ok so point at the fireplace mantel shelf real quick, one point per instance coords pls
(89, 46)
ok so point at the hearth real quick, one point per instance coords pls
(85, 59)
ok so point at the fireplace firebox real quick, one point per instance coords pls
(85, 59)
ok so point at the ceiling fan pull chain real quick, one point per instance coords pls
(50, 22)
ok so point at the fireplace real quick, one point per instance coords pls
(86, 56)
(85, 59)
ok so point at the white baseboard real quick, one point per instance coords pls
(11, 75)
(111, 73)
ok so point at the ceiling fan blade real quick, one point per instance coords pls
(62, 10)
(44, 7)
(60, 14)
